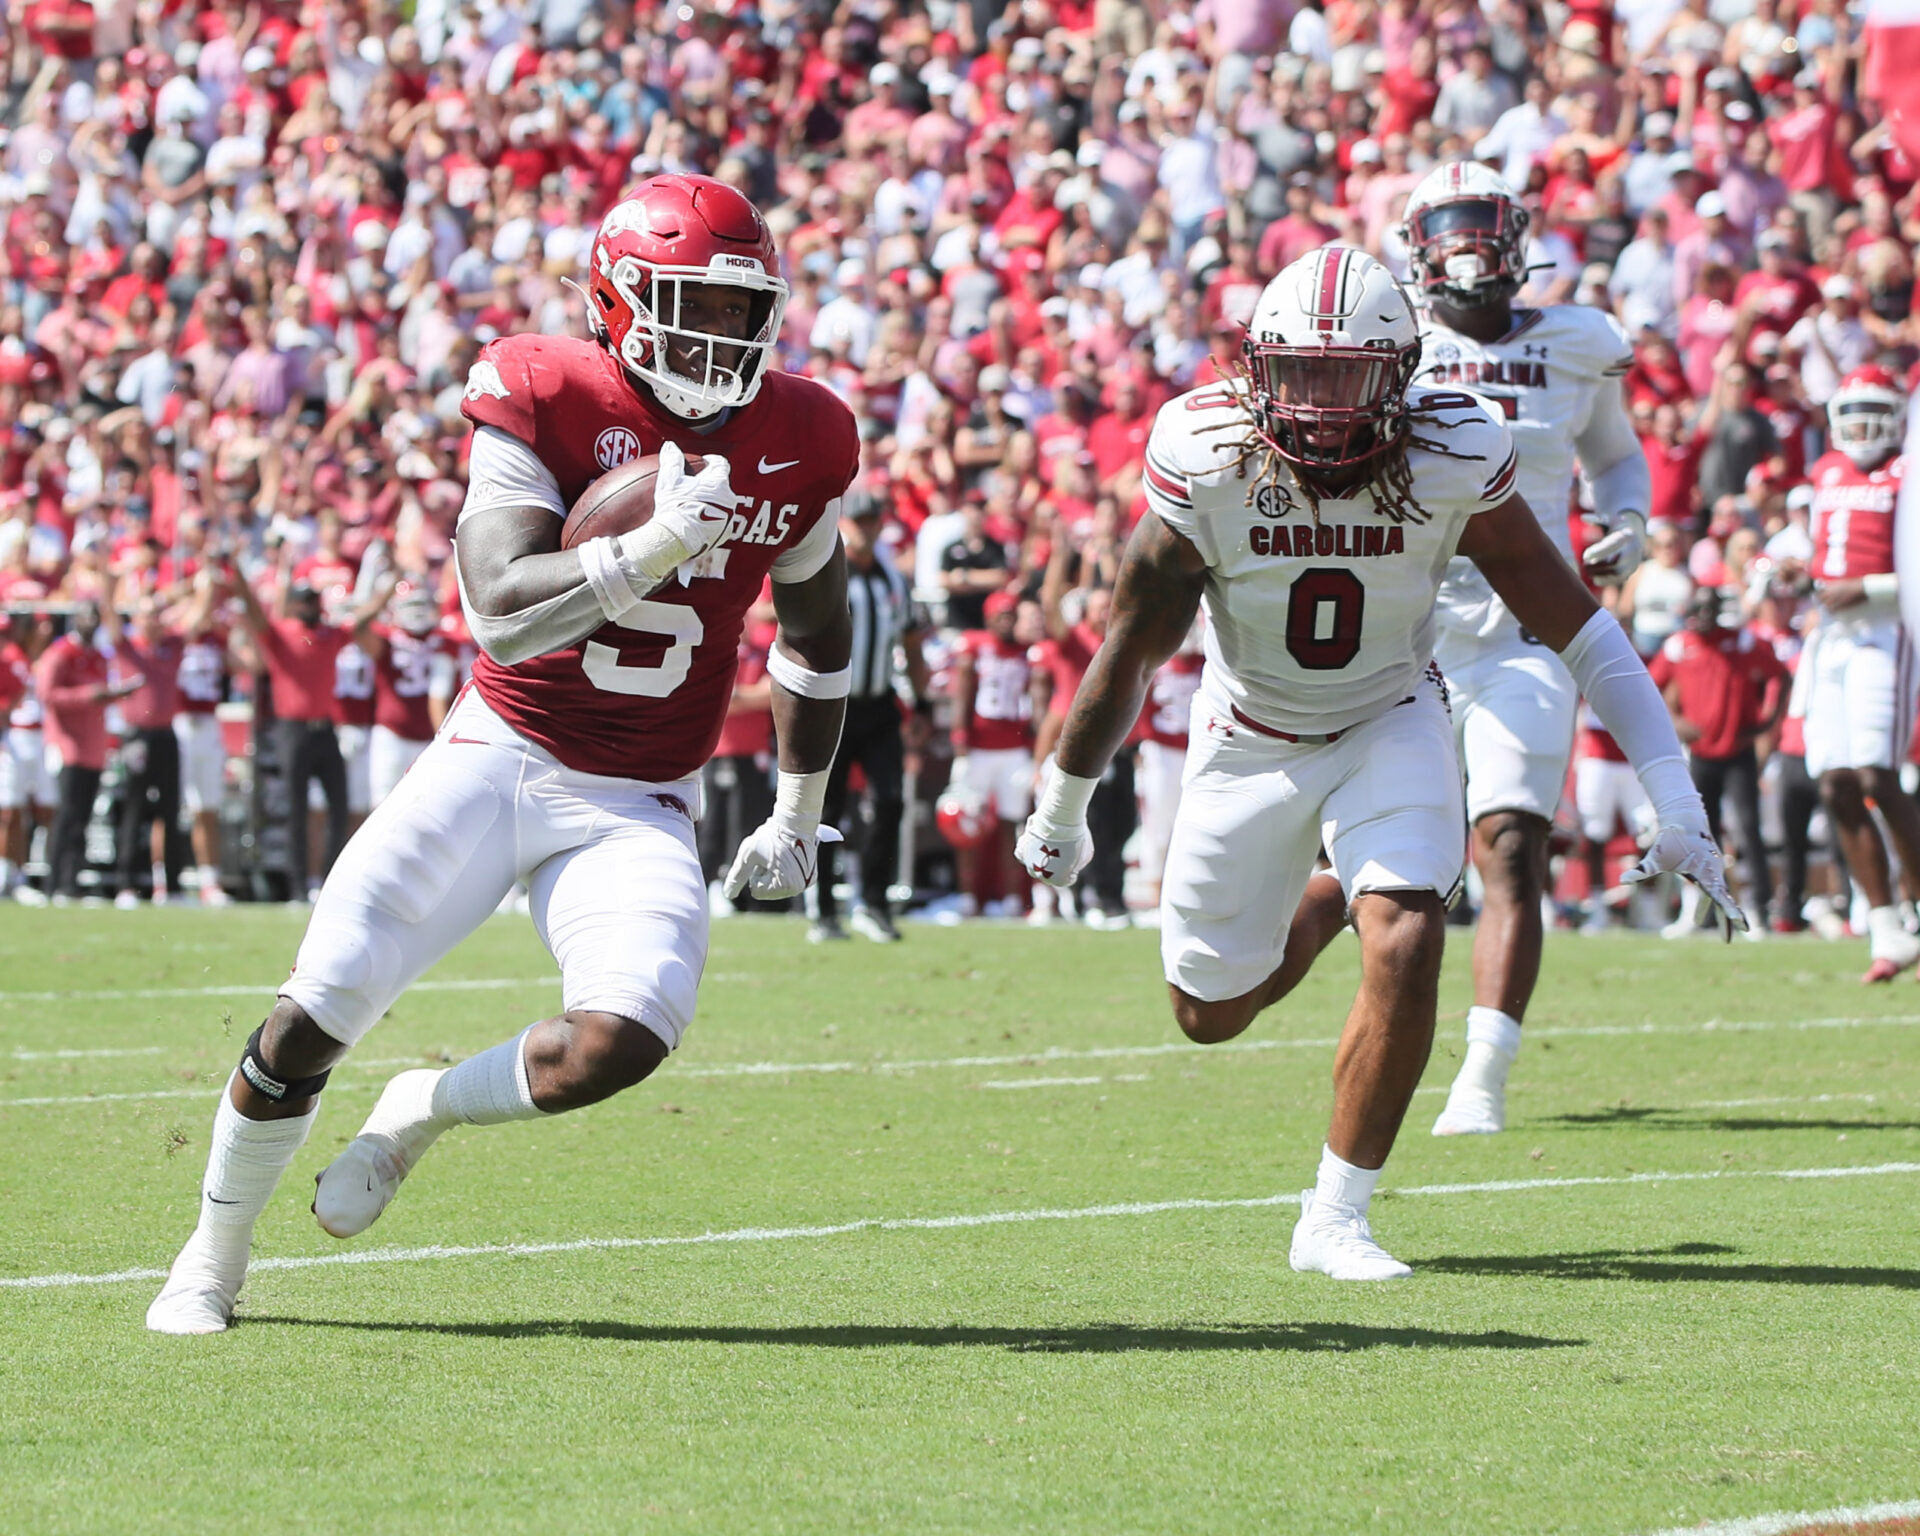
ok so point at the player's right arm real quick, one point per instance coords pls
(526, 596)
(1154, 603)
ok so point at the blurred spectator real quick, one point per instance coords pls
(71, 679)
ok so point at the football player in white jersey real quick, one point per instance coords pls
(1312, 509)
(1554, 373)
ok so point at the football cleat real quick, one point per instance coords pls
(200, 1290)
(1335, 1240)
(351, 1191)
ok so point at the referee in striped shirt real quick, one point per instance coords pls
(883, 619)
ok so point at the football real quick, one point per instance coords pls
(618, 502)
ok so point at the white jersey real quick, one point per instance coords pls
(1312, 629)
(1545, 376)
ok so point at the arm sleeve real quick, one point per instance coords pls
(808, 558)
(1611, 458)
(1617, 685)
(504, 471)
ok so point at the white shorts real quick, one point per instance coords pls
(1384, 800)
(1608, 797)
(389, 756)
(26, 777)
(1158, 781)
(1860, 702)
(203, 762)
(1005, 776)
(610, 864)
(1513, 706)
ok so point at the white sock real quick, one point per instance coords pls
(209, 877)
(1885, 930)
(1340, 1183)
(488, 1089)
(1493, 1040)
(244, 1163)
(6, 874)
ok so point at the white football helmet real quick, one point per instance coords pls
(413, 609)
(1331, 348)
(1466, 235)
(1865, 417)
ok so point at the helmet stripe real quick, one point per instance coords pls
(1332, 273)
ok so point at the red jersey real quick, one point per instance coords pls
(1726, 681)
(403, 680)
(1853, 517)
(151, 706)
(332, 578)
(203, 673)
(352, 686)
(1002, 715)
(747, 732)
(16, 679)
(1595, 740)
(646, 699)
(1170, 699)
(69, 675)
(300, 665)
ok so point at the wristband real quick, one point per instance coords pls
(1882, 588)
(1064, 799)
(803, 682)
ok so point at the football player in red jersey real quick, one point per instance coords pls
(1861, 682)
(993, 747)
(573, 760)
(413, 666)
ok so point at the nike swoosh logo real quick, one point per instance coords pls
(470, 741)
(218, 1201)
(767, 469)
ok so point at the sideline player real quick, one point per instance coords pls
(1861, 689)
(413, 670)
(1554, 374)
(573, 762)
(1313, 508)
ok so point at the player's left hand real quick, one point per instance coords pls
(1692, 855)
(1617, 553)
(779, 860)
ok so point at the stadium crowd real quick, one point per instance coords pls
(251, 251)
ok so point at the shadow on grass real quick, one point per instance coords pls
(1653, 1117)
(1669, 1264)
(1097, 1338)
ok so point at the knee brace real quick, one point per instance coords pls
(262, 1079)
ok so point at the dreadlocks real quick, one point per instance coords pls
(1389, 475)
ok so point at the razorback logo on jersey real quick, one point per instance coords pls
(483, 378)
(1511, 372)
(1365, 542)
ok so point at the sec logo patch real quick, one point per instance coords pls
(615, 446)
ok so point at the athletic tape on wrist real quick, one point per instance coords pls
(254, 1068)
(1064, 799)
(804, 682)
(800, 797)
(600, 560)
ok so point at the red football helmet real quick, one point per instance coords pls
(1865, 417)
(964, 818)
(667, 234)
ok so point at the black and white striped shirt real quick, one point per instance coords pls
(878, 600)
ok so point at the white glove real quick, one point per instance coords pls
(957, 773)
(1053, 852)
(1692, 855)
(1617, 554)
(690, 516)
(1056, 845)
(780, 859)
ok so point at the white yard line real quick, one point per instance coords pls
(937, 1223)
(1043, 1082)
(131, 1050)
(1776, 1525)
(263, 988)
(206, 1091)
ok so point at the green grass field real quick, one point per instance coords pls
(757, 1294)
